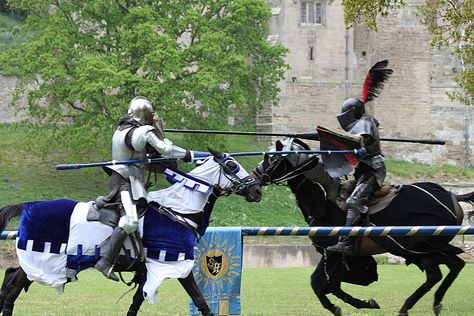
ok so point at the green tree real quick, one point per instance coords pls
(367, 11)
(198, 61)
(449, 21)
(451, 24)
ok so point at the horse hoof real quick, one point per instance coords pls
(373, 304)
(437, 309)
(337, 311)
(403, 313)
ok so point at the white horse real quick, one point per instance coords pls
(57, 239)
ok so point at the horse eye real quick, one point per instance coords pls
(231, 165)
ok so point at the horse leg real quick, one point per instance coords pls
(138, 297)
(355, 302)
(15, 280)
(136, 302)
(321, 294)
(335, 310)
(455, 265)
(433, 276)
(189, 284)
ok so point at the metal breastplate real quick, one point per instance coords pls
(367, 125)
(121, 151)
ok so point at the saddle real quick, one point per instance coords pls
(109, 214)
(379, 200)
(106, 213)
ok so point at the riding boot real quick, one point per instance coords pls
(346, 243)
(357, 204)
(106, 263)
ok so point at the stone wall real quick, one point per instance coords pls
(7, 86)
(413, 103)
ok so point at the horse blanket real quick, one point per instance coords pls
(55, 242)
(418, 204)
(415, 205)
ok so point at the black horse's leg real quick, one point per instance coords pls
(189, 284)
(455, 265)
(335, 310)
(433, 276)
(355, 302)
(15, 280)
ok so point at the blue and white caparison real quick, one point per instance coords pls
(56, 241)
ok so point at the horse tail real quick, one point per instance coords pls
(8, 212)
(468, 198)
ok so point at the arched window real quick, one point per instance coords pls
(319, 13)
(311, 15)
(311, 12)
(303, 12)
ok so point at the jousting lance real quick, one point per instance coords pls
(305, 135)
(199, 155)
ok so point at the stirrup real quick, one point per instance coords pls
(111, 275)
(106, 269)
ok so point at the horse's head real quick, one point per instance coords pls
(229, 176)
(280, 168)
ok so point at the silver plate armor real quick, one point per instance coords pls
(140, 137)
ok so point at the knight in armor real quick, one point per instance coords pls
(370, 172)
(139, 133)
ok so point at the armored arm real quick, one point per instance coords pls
(166, 148)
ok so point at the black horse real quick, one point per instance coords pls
(58, 239)
(321, 200)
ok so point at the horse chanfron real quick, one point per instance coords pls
(233, 178)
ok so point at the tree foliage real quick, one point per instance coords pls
(198, 61)
(451, 23)
(367, 11)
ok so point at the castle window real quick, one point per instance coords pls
(319, 13)
(312, 12)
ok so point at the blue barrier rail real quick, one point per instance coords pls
(331, 231)
(359, 231)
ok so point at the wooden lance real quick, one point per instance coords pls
(305, 135)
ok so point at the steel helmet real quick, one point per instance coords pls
(352, 109)
(141, 110)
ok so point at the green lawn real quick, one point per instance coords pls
(28, 156)
(276, 291)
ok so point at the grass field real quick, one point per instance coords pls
(277, 291)
(29, 154)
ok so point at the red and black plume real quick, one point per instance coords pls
(374, 80)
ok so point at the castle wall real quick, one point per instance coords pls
(413, 103)
(7, 87)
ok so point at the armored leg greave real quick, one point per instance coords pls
(106, 263)
(357, 204)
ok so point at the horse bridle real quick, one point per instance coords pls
(239, 185)
(265, 173)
